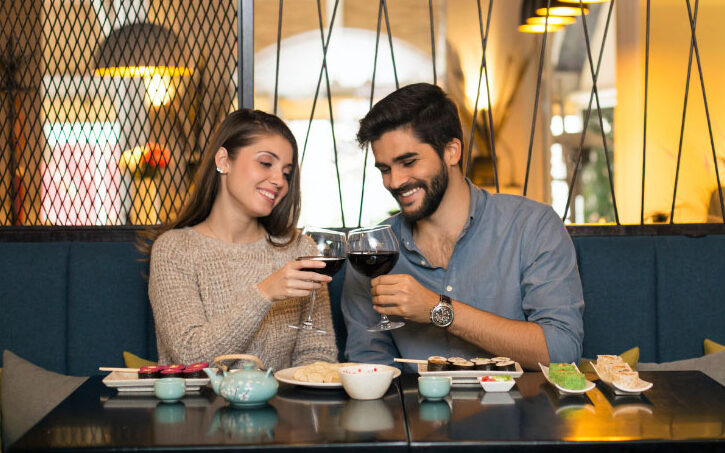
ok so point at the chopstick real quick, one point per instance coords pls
(409, 360)
(122, 370)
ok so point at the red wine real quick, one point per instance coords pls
(373, 264)
(332, 264)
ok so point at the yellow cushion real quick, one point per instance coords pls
(630, 357)
(712, 347)
(134, 361)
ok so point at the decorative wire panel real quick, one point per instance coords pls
(80, 148)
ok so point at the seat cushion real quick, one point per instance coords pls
(619, 294)
(690, 295)
(108, 307)
(33, 301)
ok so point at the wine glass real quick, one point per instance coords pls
(330, 250)
(373, 252)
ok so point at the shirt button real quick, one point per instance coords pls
(449, 288)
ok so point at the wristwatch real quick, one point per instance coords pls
(442, 314)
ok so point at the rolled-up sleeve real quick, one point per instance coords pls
(357, 310)
(551, 288)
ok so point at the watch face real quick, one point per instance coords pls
(442, 315)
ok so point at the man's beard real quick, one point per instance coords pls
(433, 195)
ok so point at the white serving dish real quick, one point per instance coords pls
(589, 384)
(617, 390)
(129, 382)
(468, 377)
(497, 386)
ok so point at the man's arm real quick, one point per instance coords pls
(522, 341)
(358, 313)
(552, 303)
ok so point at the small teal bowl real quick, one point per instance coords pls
(169, 390)
(434, 387)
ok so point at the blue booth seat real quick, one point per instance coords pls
(73, 306)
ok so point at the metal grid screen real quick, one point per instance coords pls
(106, 104)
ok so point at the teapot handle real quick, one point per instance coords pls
(219, 359)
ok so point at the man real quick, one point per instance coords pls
(478, 274)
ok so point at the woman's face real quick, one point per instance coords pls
(258, 177)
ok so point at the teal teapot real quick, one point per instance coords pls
(243, 388)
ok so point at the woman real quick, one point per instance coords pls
(223, 276)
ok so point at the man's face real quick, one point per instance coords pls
(412, 172)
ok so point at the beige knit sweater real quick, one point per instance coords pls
(206, 303)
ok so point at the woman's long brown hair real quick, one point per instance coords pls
(241, 128)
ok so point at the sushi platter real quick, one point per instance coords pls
(465, 375)
(130, 382)
(468, 377)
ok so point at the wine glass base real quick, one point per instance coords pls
(382, 327)
(308, 327)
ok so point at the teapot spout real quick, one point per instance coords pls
(214, 379)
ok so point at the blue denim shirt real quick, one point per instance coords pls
(514, 258)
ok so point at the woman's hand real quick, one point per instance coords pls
(293, 281)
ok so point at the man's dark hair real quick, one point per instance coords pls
(425, 108)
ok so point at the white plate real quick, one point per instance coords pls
(468, 377)
(129, 382)
(621, 390)
(590, 385)
(288, 377)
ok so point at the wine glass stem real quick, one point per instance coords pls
(384, 319)
(309, 310)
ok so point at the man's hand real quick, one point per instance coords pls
(402, 295)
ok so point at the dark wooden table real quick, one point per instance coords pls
(683, 411)
(95, 417)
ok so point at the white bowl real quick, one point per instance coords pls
(366, 381)
(501, 384)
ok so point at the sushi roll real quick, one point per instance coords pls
(462, 365)
(149, 372)
(193, 373)
(176, 366)
(483, 364)
(199, 365)
(172, 372)
(500, 359)
(452, 360)
(437, 363)
(508, 365)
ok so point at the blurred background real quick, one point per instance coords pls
(106, 105)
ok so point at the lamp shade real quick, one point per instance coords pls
(553, 20)
(140, 50)
(530, 22)
(560, 8)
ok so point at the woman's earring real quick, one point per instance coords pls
(219, 170)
